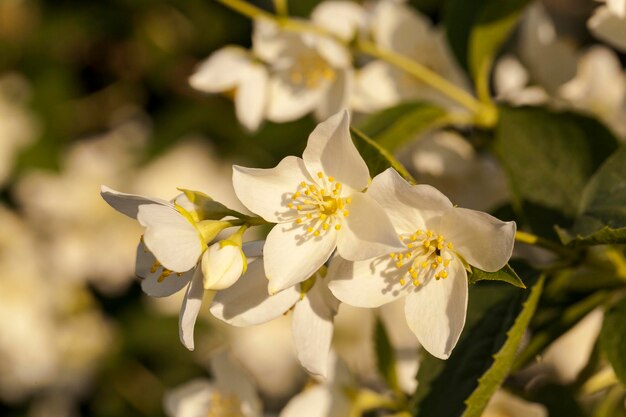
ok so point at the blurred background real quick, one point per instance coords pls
(96, 92)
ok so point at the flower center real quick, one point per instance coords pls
(310, 70)
(319, 206)
(164, 271)
(427, 254)
(224, 405)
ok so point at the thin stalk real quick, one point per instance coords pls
(431, 78)
(535, 240)
(247, 9)
(282, 10)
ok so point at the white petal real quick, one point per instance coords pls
(481, 239)
(222, 266)
(367, 232)
(337, 95)
(231, 378)
(375, 87)
(266, 192)
(343, 18)
(192, 399)
(409, 207)
(190, 309)
(400, 28)
(368, 284)
(617, 7)
(335, 54)
(291, 255)
(128, 204)
(609, 27)
(247, 302)
(170, 237)
(289, 101)
(330, 150)
(222, 70)
(270, 43)
(436, 311)
(153, 282)
(312, 328)
(251, 96)
(313, 402)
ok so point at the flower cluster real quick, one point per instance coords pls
(338, 236)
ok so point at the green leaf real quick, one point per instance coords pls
(506, 274)
(476, 30)
(503, 360)
(385, 356)
(548, 158)
(613, 338)
(394, 126)
(497, 319)
(377, 157)
(602, 213)
(492, 27)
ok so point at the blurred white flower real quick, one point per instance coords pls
(599, 87)
(318, 204)
(608, 23)
(440, 242)
(331, 398)
(309, 72)
(569, 354)
(52, 336)
(18, 127)
(398, 27)
(85, 239)
(511, 83)
(503, 404)
(235, 69)
(287, 74)
(231, 393)
(448, 162)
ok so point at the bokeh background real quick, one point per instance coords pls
(96, 92)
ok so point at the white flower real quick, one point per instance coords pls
(17, 125)
(230, 394)
(503, 404)
(448, 162)
(440, 240)
(168, 255)
(247, 303)
(599, 87)
(397, 27)
(318, 204)
(234, 68)
(331, 398)
(309, 72)
(609, 23)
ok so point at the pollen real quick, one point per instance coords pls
(319, 205)
(428, 256)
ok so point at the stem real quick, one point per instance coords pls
(601, 380)
(247, 9)
(485, 114)
(281, 8)
(535, 240)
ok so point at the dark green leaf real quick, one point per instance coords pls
(394, 126)
(496, 319)
(477, 29)
(376, 157)
(493, 25)
(506, 274)
(385, 356)
(548, 158)
(602, 218)
(613, 338)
